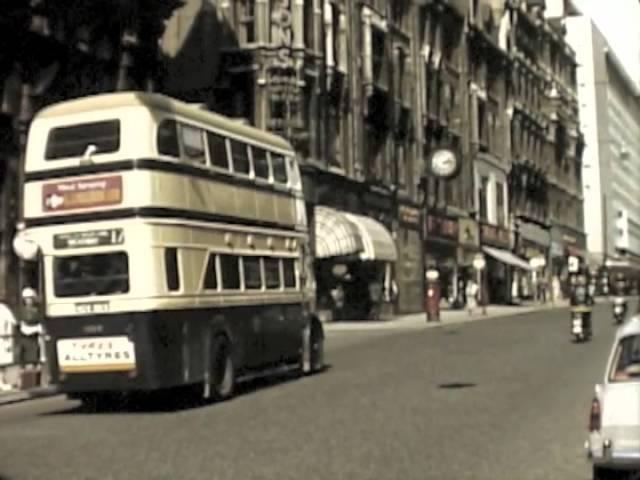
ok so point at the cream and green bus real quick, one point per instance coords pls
(172, 244)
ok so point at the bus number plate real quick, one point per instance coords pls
(90, 238)
(92, 307)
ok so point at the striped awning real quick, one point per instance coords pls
(507, 257)
(340, 234)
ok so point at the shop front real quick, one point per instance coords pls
(409, 268)
(533, 245)
(468, 248)
(503, 269)
(441, 252)
(354, 251)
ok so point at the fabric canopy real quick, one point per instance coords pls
(341, 234)
(505, 256)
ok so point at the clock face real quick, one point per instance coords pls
(444, 163)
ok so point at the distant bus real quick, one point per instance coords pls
(173, 247)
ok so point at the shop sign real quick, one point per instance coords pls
(557, 249)
(494, 235)
(468, 234)
(282, 33)
(535, 234)
(377, 201)
(409, 215)
(569, 239)
(443, 227)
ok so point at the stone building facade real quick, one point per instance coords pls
(365, 91)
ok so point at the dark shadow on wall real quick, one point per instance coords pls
(194, 45)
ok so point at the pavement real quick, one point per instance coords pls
(447, 317)
(499, 399)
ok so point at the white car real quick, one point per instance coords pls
(613, 445)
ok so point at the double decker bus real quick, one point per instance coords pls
(172, 245)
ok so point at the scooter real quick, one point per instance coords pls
(619, 309)
(581, 323)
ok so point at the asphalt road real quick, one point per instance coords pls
(503, 398)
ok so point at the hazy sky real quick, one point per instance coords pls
(618, 20)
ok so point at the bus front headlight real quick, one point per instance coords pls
(25, 247)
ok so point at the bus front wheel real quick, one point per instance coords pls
(221, 381)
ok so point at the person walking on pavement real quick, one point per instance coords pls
(472, 296)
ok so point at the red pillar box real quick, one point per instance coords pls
(432, 296)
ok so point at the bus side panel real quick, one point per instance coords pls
(170, 345)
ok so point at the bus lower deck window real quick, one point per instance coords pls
(86, 275)
(171, 269)
(289, 272)
(230, 271)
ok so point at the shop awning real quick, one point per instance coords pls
(507, 257)
(341, 234)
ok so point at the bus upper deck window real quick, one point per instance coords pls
(192, 143)
(73, 140)
(168, 138)
(217, 146)
(260, 162)
(240, 156)
(279, 168)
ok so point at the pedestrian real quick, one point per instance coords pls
(556, 289)
(472, 296)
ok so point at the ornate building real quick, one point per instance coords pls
(450, 235)
(51, 52)
(365, 92)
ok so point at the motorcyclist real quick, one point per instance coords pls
(619, 301)
(581, 300)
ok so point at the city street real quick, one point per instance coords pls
(503, 398)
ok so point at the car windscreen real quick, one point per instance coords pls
(73, 140)
(625, 366)
(88, 275)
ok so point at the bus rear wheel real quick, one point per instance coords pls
(221, 381)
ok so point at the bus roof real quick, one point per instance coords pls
(159, 102)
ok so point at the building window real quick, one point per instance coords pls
(377, 54)
(401, 165)
(309, 25)
(481, 123)
(483, 191)
(246, 20)
(500, 204)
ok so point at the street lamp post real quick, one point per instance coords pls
(442, 164)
